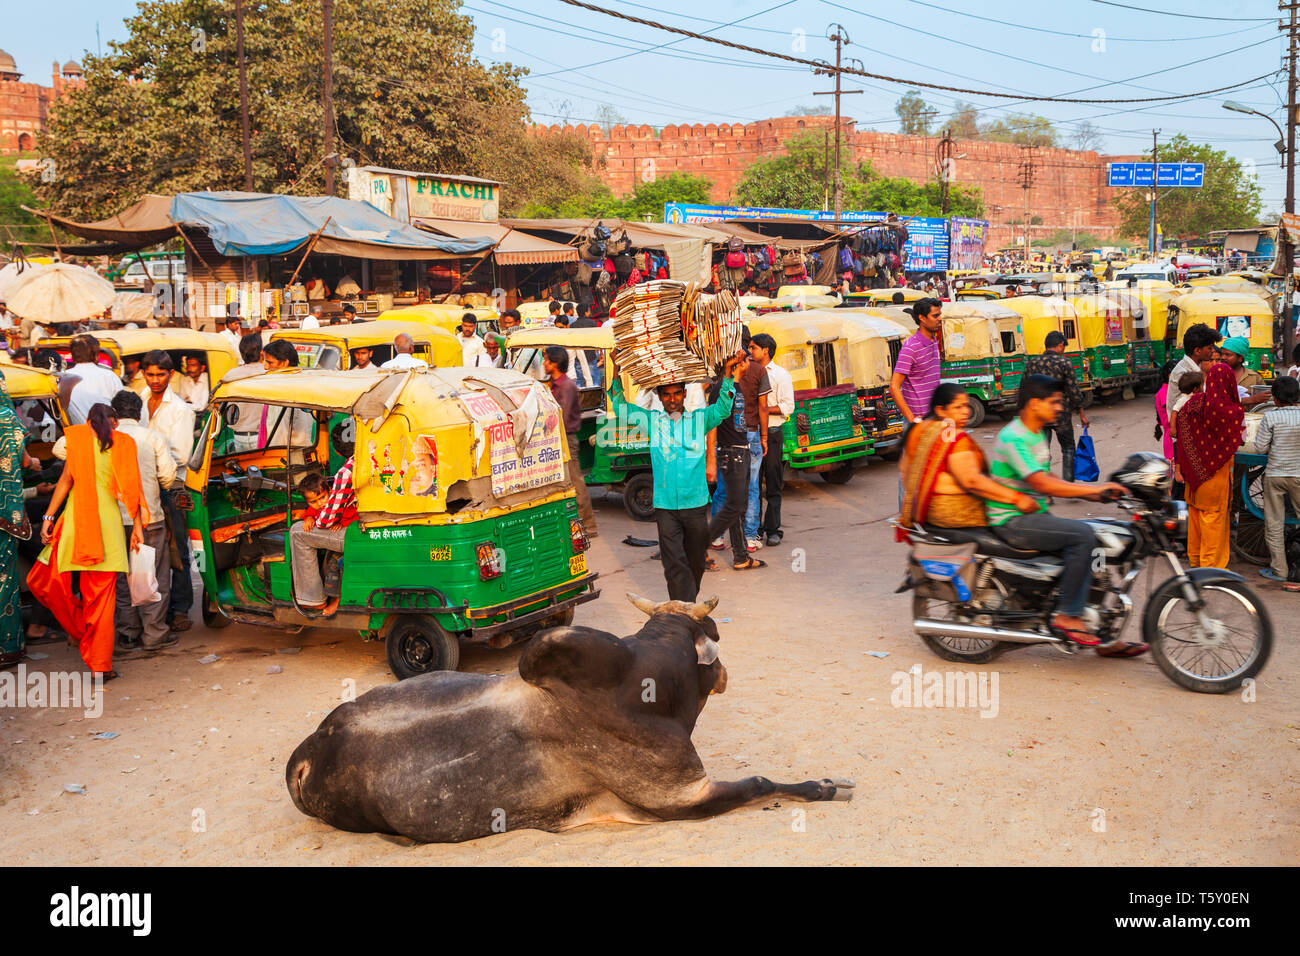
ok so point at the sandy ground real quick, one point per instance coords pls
(197, 773)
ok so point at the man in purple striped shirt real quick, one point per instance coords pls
(916, 373)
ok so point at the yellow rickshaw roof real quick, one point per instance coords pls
(365, 334)
(796, 329)
(810, 290)
(528, 310)
(885, 295)
(589, 338)
(808, 300)
(138, 341)
(1040, 306)
(1216, 302)
(1095, 303)
(865, 323)
(987, 308)
(22, 381)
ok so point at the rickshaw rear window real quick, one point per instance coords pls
(318, 355)
(1008, 341)
(1067, 327)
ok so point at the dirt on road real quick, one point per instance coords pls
(1082, 761)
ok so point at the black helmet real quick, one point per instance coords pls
(1146, 474)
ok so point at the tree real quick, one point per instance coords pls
(160, 111)
(964, 121)
(914, 114)
(607, 118)
(1088, 137)
(647, 198)
(16, 192)
(1022, 130)
(819, 110)
(1229, 198)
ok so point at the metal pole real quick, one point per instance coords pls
(1151, 222)
(1288, 248)
(839, 198)
(243, 95)
(328, 95)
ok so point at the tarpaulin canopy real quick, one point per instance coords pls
(145, 223)
(644, 235)
(263, 224)
(515, 249)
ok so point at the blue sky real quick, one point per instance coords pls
(582, 61)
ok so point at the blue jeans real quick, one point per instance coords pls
(755, 469)
(1073, 540)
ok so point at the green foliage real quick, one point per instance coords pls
(964, 121)
(596, 200)
(16, 192)
(911, 110)
(797, 179)
(1062, 238)
(1228, 200)
(1022, 130)
(160, 112)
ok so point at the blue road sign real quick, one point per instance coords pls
(1189, 175)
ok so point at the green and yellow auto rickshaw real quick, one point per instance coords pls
(1231, 314)
(1043, 314)
(616, 457)
(984, 351)
(1104, 320)
(330, 347)
(468, 527)
(874, 342)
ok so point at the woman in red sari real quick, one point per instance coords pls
(945, 476)
(1209, 434)
(101, 471)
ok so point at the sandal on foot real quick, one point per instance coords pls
(1122, 649)
(1076, 636)
(711, 565)
(749, 565)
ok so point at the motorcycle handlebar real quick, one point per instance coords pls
(1110, 495)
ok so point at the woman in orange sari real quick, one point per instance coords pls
(101, 470)
(1209, 434)
(945, 476)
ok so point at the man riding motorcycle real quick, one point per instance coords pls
(1021, 460)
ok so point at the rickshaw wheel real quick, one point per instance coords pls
(1247, 540)
(839, 475)
(638, 496)
(418, 645)
(212, 618)
(978, 412)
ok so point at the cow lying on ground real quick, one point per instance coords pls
(593, 728)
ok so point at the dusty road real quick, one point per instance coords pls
(1087, 761)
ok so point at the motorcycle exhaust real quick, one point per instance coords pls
(927, 627)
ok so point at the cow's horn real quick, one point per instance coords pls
(642, 604)
(701, 611)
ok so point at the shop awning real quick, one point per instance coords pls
(644, 235)
(514, 248)
(1242, 241)
(145, 223)
(263, 224)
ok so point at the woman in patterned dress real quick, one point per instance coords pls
(14, 526)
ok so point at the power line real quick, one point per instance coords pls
(891, 79)
(1185, 16)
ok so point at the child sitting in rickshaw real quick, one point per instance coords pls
(330, 509)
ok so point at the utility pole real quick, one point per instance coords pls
(1155, 184)
(1026, 183)
(1288, 248)
(826, 168)
(944, 158)
(243, 95)
(840, 37)
(328, 95)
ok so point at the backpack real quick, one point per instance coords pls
(735, 259)
(624, 264)
(734, 244)
(601, 231)
(761, 261)
(846, 258)
(595, 249)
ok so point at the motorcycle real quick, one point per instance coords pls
(975, 596)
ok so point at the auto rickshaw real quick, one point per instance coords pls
(876, 297)
(874, 342)
(615, 457)
(122, 345)
(330, 346)
(443, 315)
(1108, 324)
(468, 527)
(828, 429)
(1231, 314)
(796, 302)
(804, 290)
(1043, 314)
(984, 351)
(1149, 354)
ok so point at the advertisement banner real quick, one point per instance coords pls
(537, 462)
(966, 243)
(404, 195)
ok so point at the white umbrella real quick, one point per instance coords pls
(12, 270)
(59, 293)
(135, 307)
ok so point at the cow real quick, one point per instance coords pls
(592, 729)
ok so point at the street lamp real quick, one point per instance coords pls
(1236, 107)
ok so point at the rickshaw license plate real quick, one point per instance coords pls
(440, 554)
(578, 564)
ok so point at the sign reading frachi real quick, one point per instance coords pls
(449, 199)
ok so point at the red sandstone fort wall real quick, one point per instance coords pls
(1068, 190)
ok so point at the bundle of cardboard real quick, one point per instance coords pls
(667, 331)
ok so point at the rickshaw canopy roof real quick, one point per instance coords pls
(367, 334)
(24, 382)
(805, 300)
(139, 341)
(798, 329)
(330, 391)
(589, 338)
(1040, 306)
(806, 290)
(1221, 303)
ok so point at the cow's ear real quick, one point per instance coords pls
(706, 649)
(578, 657)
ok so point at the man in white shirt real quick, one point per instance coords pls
(146, 626)
(471, 346)
(6, 320)
(233, 332)
(193, 386)
(361, 360)
(780, 407)
(491, 356)
(312, 321)
(86, 383)
(405, 358)
(165, 413)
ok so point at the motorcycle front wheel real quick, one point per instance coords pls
(1214, 654)
(963, 650)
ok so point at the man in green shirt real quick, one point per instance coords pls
(678, 442)
(1021, 461)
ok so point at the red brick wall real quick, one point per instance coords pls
(1069, 188)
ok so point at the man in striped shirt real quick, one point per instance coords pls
(1279, 438)
(916, 373)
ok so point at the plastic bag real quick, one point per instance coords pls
(1085, 459)
(140, 576)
